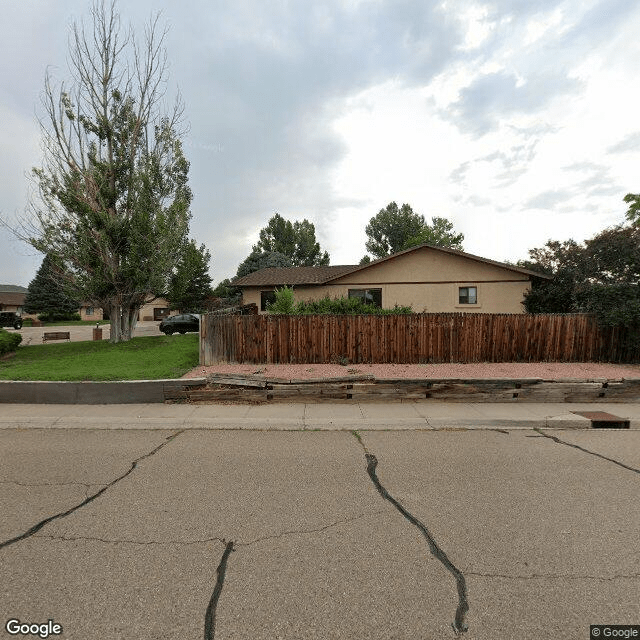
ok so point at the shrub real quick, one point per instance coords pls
(57, 316)
(9, 341)
(284, 304)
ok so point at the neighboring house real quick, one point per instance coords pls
(427, 278)
(154, 310)
(12, 299)
(87, 312)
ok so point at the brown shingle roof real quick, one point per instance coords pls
(275, 276)
(12, 299)
(321, 275)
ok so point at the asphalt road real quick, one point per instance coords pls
(181, 534)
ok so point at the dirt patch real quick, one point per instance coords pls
(544, 370)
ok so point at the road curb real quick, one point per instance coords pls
(120, 392)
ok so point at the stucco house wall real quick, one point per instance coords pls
(428, 280)
(155, 310)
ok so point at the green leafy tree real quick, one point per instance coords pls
(601, 276)
(395, 229)
(190, 283)
(366, 259)
(46, 294)
(257, 260)
(390, 230)
(225, 289)
(633, 212)
(114, 195)
(440, 233)
(296, 240)
(611, 288)
(565, 261)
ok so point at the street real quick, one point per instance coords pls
(176, 533)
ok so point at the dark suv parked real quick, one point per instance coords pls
(10, 319)
(180, 324)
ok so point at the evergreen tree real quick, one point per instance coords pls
(46, 294)
(190, 283)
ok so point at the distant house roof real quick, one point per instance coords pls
(12, 299)
(322, 275)
(12, 288)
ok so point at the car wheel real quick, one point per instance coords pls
(182, 332)
(168, 332)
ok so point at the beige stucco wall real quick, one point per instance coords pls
(427, 280)
(95, 315)
(145, 313)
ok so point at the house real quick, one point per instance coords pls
(427, 278)
(12, 299)
(156, 309)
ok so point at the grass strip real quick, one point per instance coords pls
(145, 358)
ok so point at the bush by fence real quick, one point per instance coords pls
(415, 338)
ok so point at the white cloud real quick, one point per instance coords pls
(466, 109)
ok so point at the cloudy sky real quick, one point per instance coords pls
(516, 119)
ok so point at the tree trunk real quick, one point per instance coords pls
(123, 322)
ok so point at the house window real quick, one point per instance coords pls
(89, 311)
(368, 296)
(266, 297)
(468, 295)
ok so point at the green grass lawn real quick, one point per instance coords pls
(147, 358)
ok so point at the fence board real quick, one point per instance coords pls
(445, 337)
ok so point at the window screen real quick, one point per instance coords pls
(368, 296)
(468, 295)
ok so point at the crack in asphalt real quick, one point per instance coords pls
(459, 625)
(208, 540)
(210, 615)
(307, 531)
(554, 576)
(91, 498)
(53, 484)
(593, 453)
(130, 541)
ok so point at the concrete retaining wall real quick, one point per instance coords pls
(124, 392)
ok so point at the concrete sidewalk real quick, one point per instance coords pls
(298, 416)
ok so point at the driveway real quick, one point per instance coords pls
(173, 533)
(33, 335)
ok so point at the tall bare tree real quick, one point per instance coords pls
(114, 199)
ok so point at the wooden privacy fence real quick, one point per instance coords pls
(415, 338)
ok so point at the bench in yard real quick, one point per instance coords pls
(56, 335)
